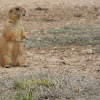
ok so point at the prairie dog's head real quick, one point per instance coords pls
(16, 12)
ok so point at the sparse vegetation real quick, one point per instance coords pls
(51, 86)
(55, 87)
(58, 87)
(62, 36)
(28, 87)
(58, 33)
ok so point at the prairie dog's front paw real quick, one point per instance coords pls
(18, 40)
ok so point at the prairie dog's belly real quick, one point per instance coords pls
(10, 46)
(16, 29)
(21, 46)
(17, 32)
(17, 48)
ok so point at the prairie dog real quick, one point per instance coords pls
(11, 44)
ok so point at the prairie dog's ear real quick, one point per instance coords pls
(10, 11)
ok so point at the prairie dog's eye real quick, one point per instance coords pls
(17, 9)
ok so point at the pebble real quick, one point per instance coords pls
(88, 51)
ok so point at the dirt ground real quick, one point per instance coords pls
(56, 60)
(56, 13)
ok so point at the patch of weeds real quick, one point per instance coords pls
(52, 86)
(88, 93)
(45, 82)
(42, 31)
(62, 47)
(20, 84)
(26, 96)
(57, 31)
(16, 84)
(26, 93)
(23, 83)
(62, 36)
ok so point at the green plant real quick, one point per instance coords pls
(26, 96)
(23, 83)
(45, 82)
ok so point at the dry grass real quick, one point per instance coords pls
(41, 86)
(66, 35)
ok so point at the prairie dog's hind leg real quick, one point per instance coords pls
(6, 61)
(20, 61)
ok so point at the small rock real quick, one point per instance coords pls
(39, 8)
(54, 51)
(62, 50)
(77, 15)
(86, 69)
(98, 17)
(46, 98)
(38, 39)
(98, 70)
(46, 66)
(63, 62)
(88, 51)
(55, 48)
(73, 49)
(43, 52)
(96, 8)
(25, 66)
(79, 89)
(61, 58)
(52, 20)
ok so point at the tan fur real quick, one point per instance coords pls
(11, 45)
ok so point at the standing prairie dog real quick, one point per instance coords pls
(11, 44)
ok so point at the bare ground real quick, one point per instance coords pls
(48, 58)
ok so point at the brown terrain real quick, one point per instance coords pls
(47, 14)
